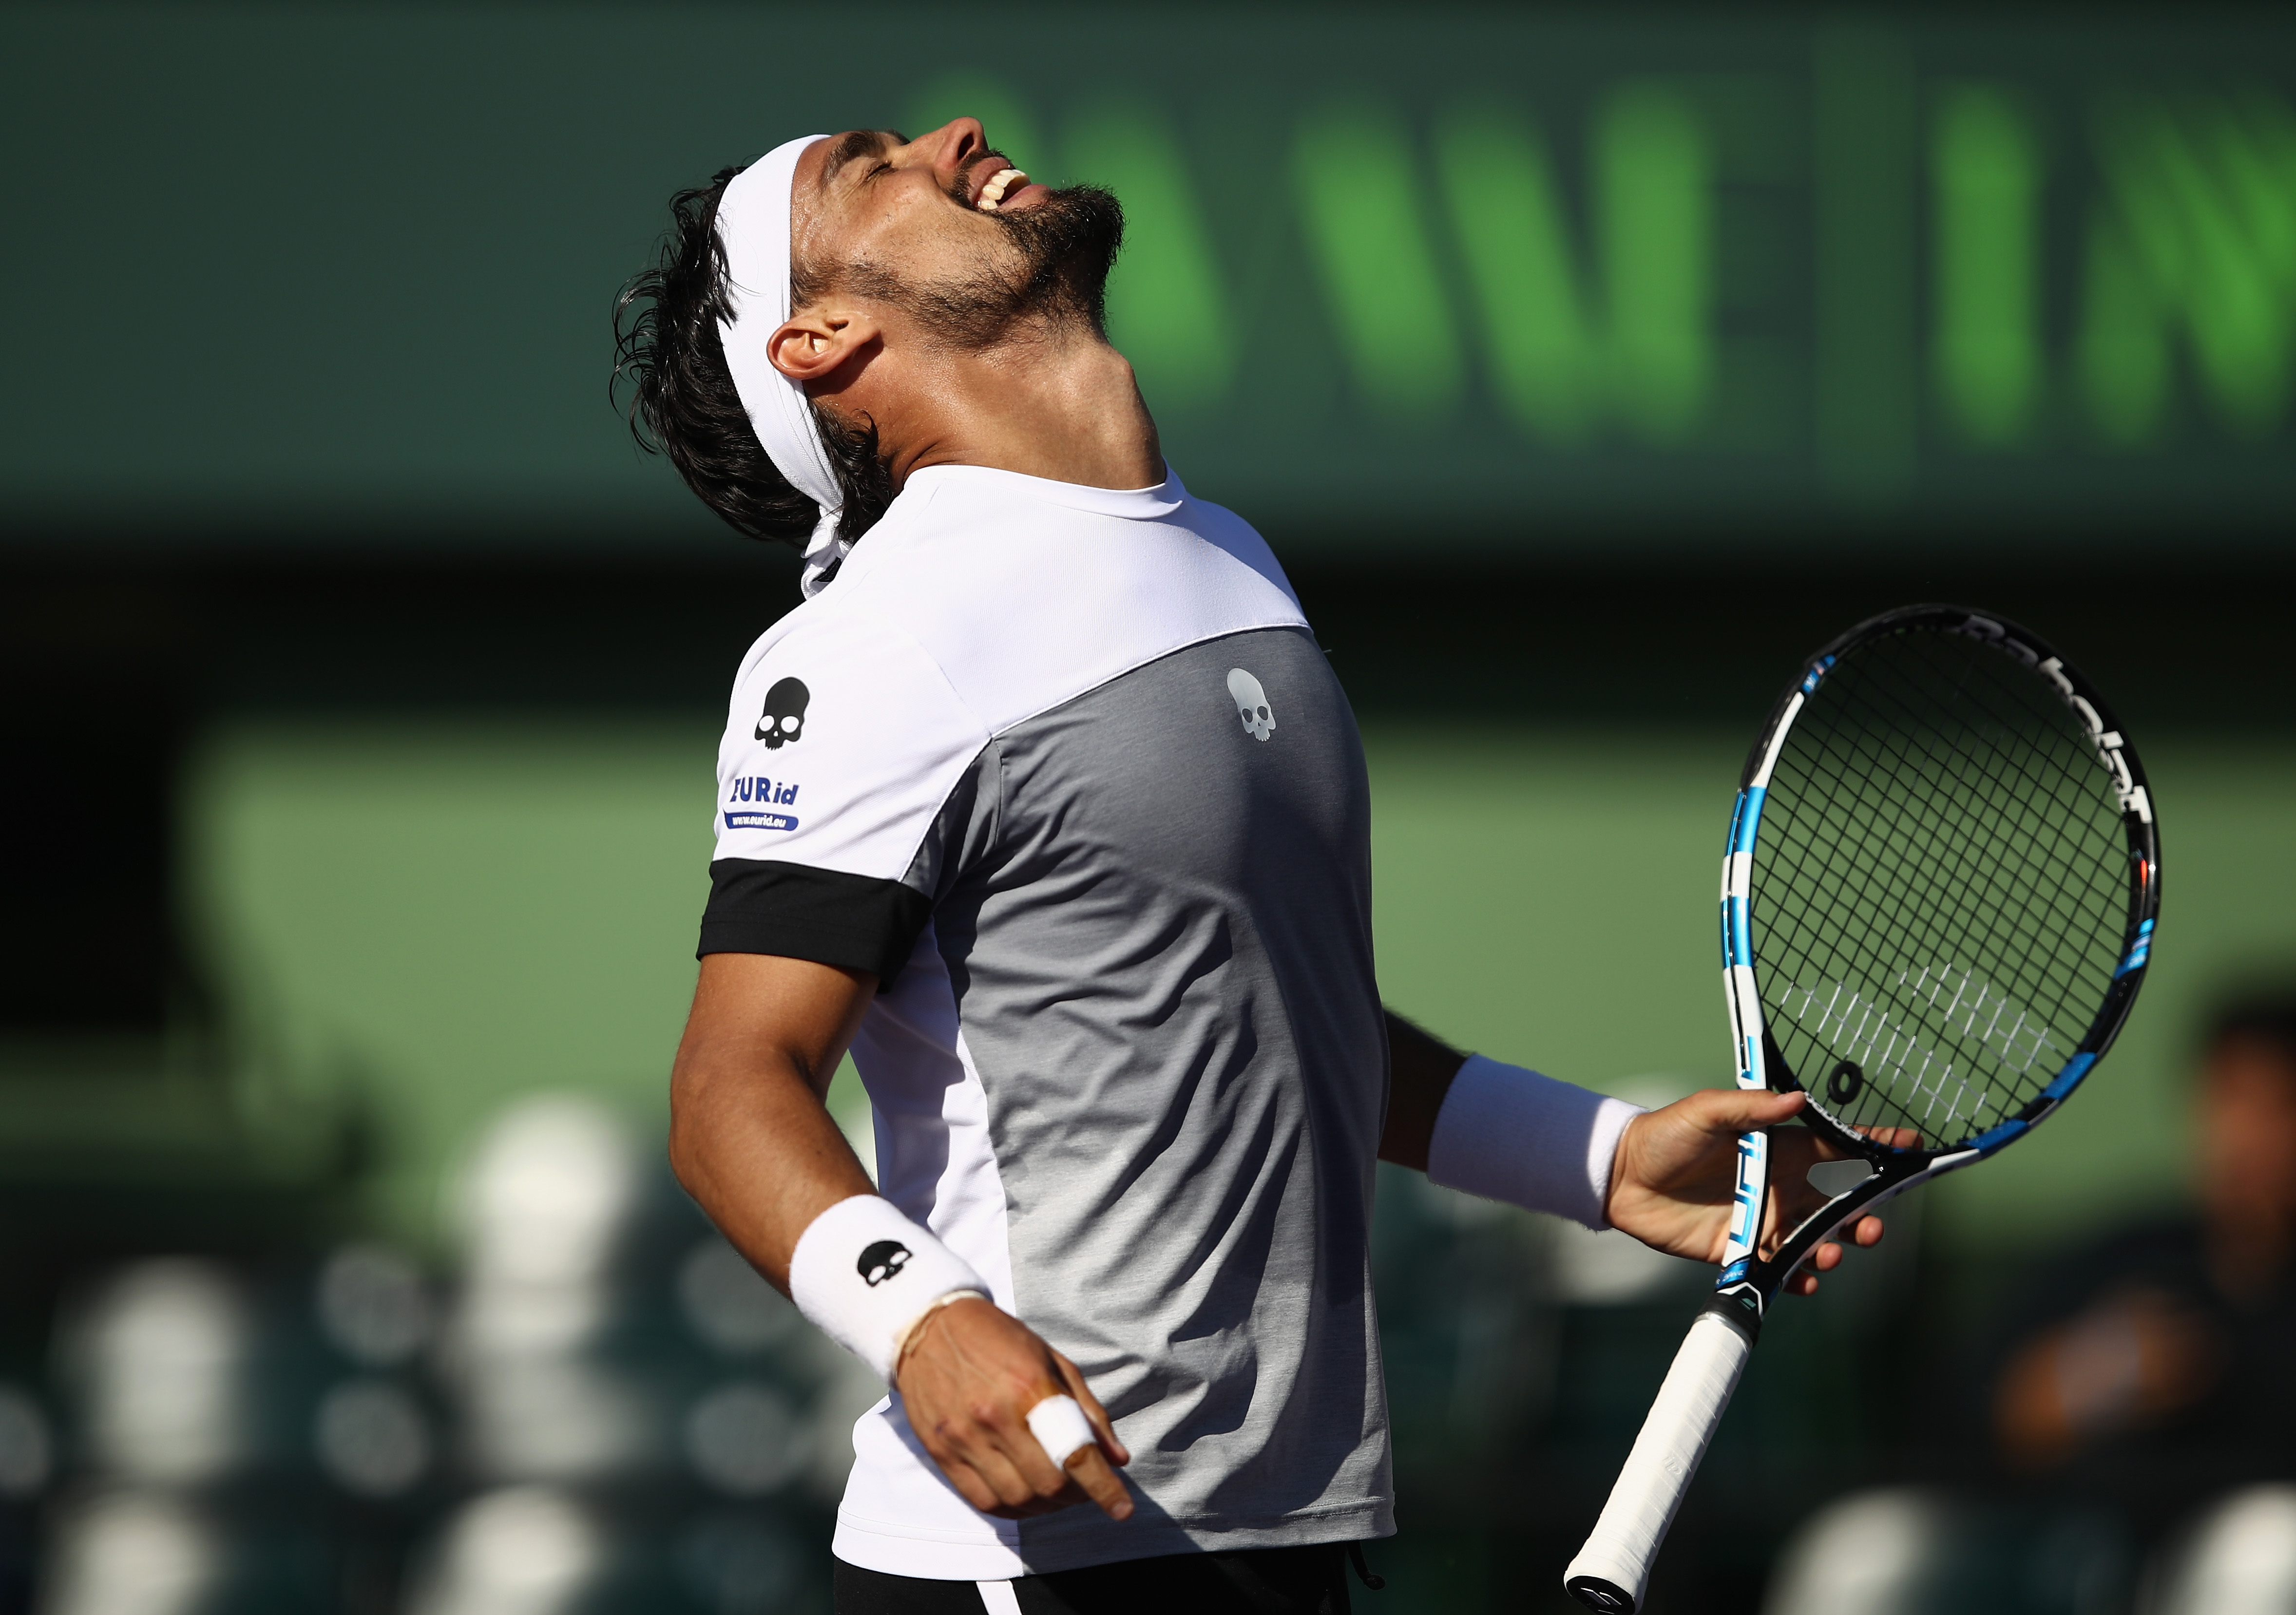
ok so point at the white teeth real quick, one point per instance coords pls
(994, 191)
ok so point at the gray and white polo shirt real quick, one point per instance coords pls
(1066, 769)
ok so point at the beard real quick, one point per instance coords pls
(1054, 274)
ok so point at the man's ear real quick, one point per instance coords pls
(810, 346)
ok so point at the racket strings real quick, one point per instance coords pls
(1950, 855)
(1971, 1006)
(2094, 902)
(1979, 1012)
(1939, 887)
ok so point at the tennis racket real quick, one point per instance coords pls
(1937, 904)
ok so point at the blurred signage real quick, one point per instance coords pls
(1419, 278)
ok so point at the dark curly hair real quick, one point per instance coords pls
(2265, 1015)
(681, 398)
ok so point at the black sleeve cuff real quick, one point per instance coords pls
(797, 912)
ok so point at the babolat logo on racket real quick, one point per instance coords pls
(882, 1261)
(2134, 797)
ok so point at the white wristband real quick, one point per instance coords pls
(1509, 1134)
(1060, 1429)
(865, 1274)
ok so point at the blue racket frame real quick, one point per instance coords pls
(1748, 1281)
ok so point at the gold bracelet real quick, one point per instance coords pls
(909, 1335)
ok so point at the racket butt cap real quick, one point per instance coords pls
(1598, 1593)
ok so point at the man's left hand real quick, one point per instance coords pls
(1676, 1168)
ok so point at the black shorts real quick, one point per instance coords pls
(1256, 1581)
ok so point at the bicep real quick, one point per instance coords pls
(751, 1011)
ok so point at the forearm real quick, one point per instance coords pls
(759, 1152)
(750, 1135)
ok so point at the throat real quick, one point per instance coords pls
(1069, 412)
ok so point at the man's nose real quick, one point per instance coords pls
(952, 145)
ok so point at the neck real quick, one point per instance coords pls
(1059, 404)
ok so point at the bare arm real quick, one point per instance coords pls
(749, 1135)
(752, 1142)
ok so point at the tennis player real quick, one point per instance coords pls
(1046, 804)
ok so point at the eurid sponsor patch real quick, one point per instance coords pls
(760, 791)
(760, 821)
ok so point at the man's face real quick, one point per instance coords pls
(2248, 1130)
(944, 228)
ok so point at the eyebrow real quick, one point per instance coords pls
(860, 143)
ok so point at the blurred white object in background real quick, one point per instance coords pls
(541, 1204)
(744, 1438)
(728, 1303)
(1607, 1268)
(374, 1305)
(27, 1452)
(372, 1438)
(522, 1551)
(2239, 1558)
(160, 1353)
(1865, 1554)
(128, 1554)
(1604, 1268)
(545, 1204)
(553, 1418)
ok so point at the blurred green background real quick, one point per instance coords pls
(442, 915)
(364, 681)
(1712, 268)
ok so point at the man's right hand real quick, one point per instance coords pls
(968, 1379)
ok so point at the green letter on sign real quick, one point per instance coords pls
(1358, 187)
(1986, 348)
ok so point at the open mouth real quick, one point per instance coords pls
(1002, 187)
(993, 192)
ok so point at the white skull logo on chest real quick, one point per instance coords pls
(1251, 704)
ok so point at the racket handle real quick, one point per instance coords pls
(1613, 1568)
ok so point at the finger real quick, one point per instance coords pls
(1090, 1469)
(1803, 1283)
(1810, 1145)
(1825, 1259)
(1742, 1109)
(1101, 1423)
(1868, 1232)
(1017, 1440)
(990, 1453)
(969, 1484)
(1013, 1488)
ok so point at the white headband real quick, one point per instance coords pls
(753, 222)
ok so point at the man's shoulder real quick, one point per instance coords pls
(844, 677)
(1020, 608)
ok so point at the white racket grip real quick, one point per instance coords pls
(1612, 1570)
